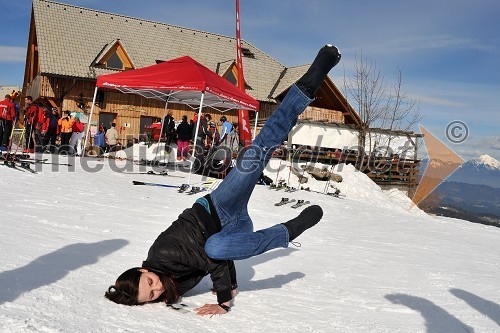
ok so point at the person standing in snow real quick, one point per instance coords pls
(168, 129)
(183, 137)
(30, 119)
(66, 125)
(111, 138)
(7, 119)
(217, 229)
(50, 130)
(100, 141)
(76, 137)
(226, 130)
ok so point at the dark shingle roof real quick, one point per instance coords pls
(70, 38)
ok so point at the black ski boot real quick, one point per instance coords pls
(308, 218)
(327, 58)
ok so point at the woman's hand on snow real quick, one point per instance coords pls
(210, 309)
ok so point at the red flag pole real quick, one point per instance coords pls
(243, 118)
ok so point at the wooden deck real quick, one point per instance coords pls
(383, 171)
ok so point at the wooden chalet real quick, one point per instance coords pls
(70, 46)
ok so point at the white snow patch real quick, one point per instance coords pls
(370, 265)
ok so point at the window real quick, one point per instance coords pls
(247, 53)
(231, 78)
(114, 62)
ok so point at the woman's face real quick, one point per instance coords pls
(150, 287)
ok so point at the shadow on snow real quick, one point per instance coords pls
(54, 266)
(438, 319)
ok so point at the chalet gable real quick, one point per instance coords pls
(113, 56)
(231, 74)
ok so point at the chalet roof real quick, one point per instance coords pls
(70, 38)
(289, 77)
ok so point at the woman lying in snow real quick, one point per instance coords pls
(217, 229)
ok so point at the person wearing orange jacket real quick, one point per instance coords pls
(30, 119)
(7, 118)
(66, 125)
(50, 129)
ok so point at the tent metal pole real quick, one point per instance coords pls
(196, 135)
(255, 126)
(166, 108)
(87, 133)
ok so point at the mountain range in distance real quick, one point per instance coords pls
(472, 192)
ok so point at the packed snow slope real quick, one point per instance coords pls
(370, 265)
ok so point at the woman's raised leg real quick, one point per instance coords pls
(234, 192)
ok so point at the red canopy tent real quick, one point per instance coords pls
(181, 80)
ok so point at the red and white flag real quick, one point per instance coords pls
(243, 118)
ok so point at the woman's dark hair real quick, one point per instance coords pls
(126, 288)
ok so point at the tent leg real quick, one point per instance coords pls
(161, 131)
(87, 132)
(255, 126)
(196, 135)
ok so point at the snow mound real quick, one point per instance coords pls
(355, 185)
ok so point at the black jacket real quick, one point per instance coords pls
(184, 131)
(179, 252)
(168, 125)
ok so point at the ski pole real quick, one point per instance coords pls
(278, 173)
(31, 135)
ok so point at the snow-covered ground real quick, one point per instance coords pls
(370, 265)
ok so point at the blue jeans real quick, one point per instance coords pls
(237, 240)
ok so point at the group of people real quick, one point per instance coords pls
(208, 134)
(43, 127)
(106, 140)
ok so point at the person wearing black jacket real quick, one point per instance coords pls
(168, 129)
(183, 137)
(217, 229)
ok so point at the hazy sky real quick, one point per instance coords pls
(449, 50)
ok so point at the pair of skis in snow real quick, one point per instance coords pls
(19, 166)
(153, 173)
(285, 201)
(336, 193)
(21, 162)
(185, 188)
(279, 186)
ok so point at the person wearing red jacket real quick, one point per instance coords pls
(76, 137)
(39, 119)
(30, 119)
(50, 129)
(8, 116)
